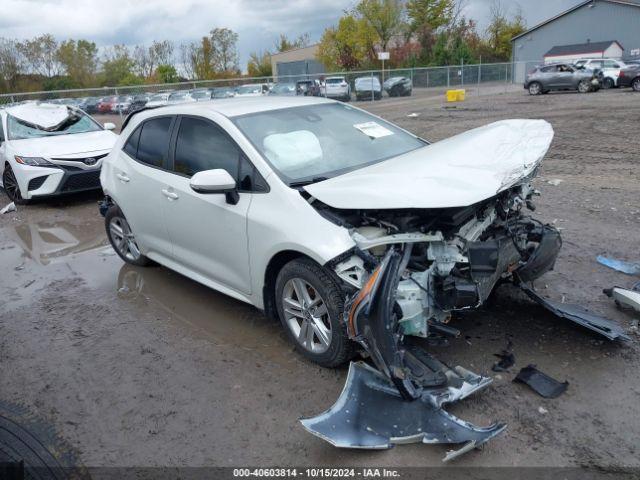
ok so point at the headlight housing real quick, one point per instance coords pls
(33, 161)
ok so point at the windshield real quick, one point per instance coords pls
(178, 95)
(249, 89)
(222, 92)
(367, 82)
(78, 122)
(334, 81)
(159, 97)
(201, 94)
(303, 143)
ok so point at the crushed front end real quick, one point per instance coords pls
(408, 273)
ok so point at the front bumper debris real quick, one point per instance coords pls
(372, 414)
(401, 401)
(579, 315)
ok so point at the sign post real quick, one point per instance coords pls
(383, 56)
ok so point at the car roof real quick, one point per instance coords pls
(237, 106)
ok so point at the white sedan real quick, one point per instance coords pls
(293, 203)
(48, 149)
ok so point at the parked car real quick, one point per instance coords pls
(338, 88)
(367, 88)
(122, 104)
(181, 96)
(158, 99)
(283, 89)
(48, 149)
(223, 92)
(90, 104)
(201, 94)
(251, 90)
(561, 76)
(106, 104)
(630, 77)
(398, 86)
(139, 102)
(610, 69)
(309, 88)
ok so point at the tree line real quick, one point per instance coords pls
(414, 32)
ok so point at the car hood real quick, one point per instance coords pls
(456, 172)
(62, 145)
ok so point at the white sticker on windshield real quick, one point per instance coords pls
(373, 129)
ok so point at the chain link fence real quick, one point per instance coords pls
(491, 77)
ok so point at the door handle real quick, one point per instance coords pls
(122, 177)
(170, 195)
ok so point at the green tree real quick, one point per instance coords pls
(79, 59)
(501, 30)
(426, 18)
(117, 67)
(166, 73)
(40, 55)
(384, 17)
(224, 50)
(259, 65)
(11, 65)
(348, 46)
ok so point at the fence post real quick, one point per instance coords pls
(448, 77)
(479, 74)
(427, 78)
(506, 76)
(462, 72)
(372, 94)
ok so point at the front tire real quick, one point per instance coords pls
(535, 88)
(608, 83)
(584, 86)
(310, 305)
(122, 238)
(11, 187)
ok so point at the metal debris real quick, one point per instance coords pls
(579, 315)
(507, 359)
(623, 296)
(621, 266)
(541, 383)
(8, 208)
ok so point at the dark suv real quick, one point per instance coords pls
(562, 76)
(630, 77)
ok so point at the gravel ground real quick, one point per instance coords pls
(144, 367)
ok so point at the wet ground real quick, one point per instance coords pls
(141, 366)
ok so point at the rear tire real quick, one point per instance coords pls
(535, 88)
(122, 239)
(635, 84)
(318, 314)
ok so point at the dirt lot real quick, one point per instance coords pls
(143, 367)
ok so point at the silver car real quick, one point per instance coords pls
(562, 76)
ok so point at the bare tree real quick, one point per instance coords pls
(11, 63)
(41, 55)
(224, 49)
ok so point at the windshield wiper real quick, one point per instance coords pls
(303, 183)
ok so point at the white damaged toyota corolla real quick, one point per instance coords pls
(349, 229)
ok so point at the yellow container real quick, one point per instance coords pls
(455, 95)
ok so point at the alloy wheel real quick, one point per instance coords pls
(584, 87)
(123, 239)
(535, 88)
(306, 315)
(10, 184)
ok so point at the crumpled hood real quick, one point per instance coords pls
(65, 145)
(456, 172)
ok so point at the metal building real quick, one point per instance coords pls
(589, 21)
(296, 64)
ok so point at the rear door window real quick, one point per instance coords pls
(153, 145)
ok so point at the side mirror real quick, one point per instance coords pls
(215, 181)
(109, 126)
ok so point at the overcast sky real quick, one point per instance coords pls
(258, 22)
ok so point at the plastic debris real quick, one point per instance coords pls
(541, 383)
(8, 208)
(621, 266)
(507, 359)
(623, 296)
(413, 115)
(555, 182)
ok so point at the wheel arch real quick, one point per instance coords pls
(274, 266)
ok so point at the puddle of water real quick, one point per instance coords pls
(35, 254)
